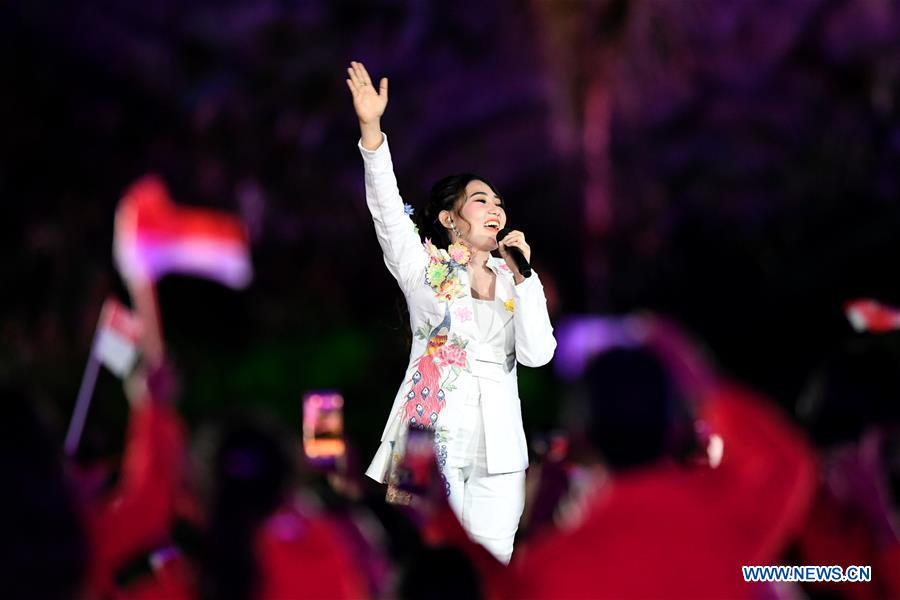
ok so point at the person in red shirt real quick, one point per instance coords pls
(65, 542)
(655, 525)
(135, 516)
(258, 538)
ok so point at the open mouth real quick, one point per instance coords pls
(492, 225)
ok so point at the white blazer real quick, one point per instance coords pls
(478, 370)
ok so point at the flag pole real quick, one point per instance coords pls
(85, 393)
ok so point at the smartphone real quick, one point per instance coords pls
(414, 472)
(323, 428)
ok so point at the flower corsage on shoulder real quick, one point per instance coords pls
(442, 273)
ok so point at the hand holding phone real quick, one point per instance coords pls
(323, 428)
(416, 468)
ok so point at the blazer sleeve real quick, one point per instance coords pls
(535, 343)
(404, 254)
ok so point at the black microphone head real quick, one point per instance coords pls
(503, 233)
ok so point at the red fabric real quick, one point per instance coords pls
(154, 237)
(304, 557)
(299, 557)
(136, 516)
(871, 315)
(886, 570)
(159, 219)
(836, 535)
(684, 532)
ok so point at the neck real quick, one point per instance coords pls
(479, 260)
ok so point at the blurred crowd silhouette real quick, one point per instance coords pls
(667, 479)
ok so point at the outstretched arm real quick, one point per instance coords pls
(403, 252)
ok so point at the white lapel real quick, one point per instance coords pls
(503, 293)
(462, 310)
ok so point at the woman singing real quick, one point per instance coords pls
(472, 316)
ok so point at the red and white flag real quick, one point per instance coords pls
(118, 337)
(116, 347)
(870, 315)
(154, 237)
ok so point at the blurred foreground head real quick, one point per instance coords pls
(43, 553)
(416, 579)
(246, 469)
(634, 413)
(245, 465)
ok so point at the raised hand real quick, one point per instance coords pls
(368, 102)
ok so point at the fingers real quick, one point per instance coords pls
(358, 74)
(513, 238)
(354, 78)
(521, 245)
(358, 78)
(363, 74)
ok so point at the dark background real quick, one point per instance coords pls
(733, 164)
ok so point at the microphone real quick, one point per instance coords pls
(517, 256)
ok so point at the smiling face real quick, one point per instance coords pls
(479, 215)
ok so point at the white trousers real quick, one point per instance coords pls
(488, 506)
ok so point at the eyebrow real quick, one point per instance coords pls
(473, 194)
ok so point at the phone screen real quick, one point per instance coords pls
(415, 469)
(323, 427)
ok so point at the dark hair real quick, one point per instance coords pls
(416, 580)
(444, 196)
(635, 413)
(247, 468)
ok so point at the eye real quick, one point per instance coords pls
(482, 200)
